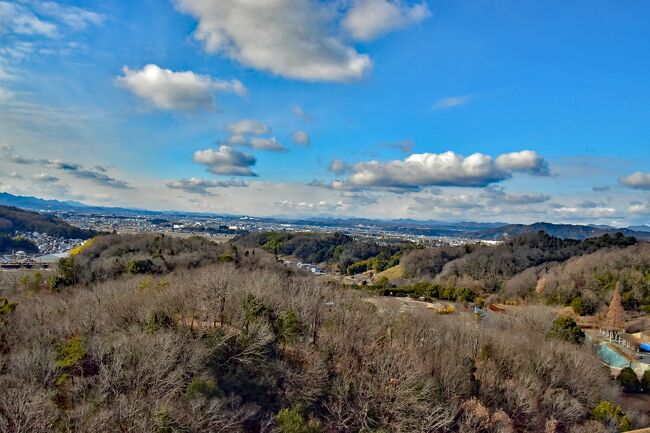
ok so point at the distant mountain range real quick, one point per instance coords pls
(475, 230)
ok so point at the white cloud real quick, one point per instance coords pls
(524, 161)
(293, 38)
(18, 19)
(248, 126)
(257, 143)
(266, 144)
(638, 208)
(444, 169)
(199, 186)
(74, 17)
(310, 206)
(450, 102)
(580, 212)
(301, 138)
(226, 161)
(171, 90)
(369, 19)
(638, 180)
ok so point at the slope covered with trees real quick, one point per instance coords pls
(492, 266)
(249, 345)
(350, 256)
(13, 219)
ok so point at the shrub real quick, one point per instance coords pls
(628, 380)
(581, 307)
(6, 307)
(292, 421)
(135, 267)
(565, 328)
(204, 387)
(288, 326)
(158, 320)
(608, 412)
(70, 353)
(226, 258)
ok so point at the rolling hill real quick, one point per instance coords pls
(13, 219)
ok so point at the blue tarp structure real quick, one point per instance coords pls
(645, 347)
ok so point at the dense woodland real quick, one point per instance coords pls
(246, 344)
(145, 333)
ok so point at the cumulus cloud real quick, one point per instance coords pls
(241, 136)
(430, 169)
(301, 138)
(450, 102)
(339, 167)
(295, 39)
(169, 90)
(369, 19)
(525, 161)
(248, 126)
(200, 186)
(226, 161)
(638, 180)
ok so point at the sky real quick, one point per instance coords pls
(511, 111)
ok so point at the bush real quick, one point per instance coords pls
(565, 328)
(204, 387)
(610, 413)
(6, 307)
(292, 421)
(288, 326)
(581, 307)
(139, 267)
(159, 320)
(628, 380)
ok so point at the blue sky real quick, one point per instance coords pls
(485, 110)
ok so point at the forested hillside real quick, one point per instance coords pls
(13, 219)
(491, 266)
(219, 339)
(350, 256)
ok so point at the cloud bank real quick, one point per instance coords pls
(431, 169)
